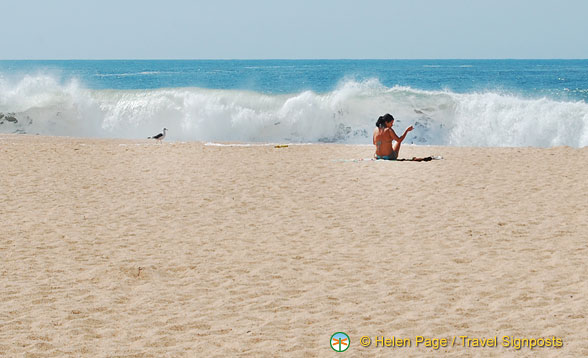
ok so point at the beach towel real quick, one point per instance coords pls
(413, 159)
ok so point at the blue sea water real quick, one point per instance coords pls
(450, 102)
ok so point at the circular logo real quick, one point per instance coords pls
(340, 342)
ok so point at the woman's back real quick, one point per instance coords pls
(383, 141)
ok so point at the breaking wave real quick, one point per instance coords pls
(41, 105)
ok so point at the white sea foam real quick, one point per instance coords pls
(39, 104)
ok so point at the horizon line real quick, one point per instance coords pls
(298, 59)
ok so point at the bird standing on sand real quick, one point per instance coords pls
(159, 136)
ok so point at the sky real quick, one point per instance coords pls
(293, 29)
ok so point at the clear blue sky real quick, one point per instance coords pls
(245, 29)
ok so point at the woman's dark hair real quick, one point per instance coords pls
(382, 120)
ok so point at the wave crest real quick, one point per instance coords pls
(39, 104)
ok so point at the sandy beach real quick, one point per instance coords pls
(121, 248)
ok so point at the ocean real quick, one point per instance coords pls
(539, 103)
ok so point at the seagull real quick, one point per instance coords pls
(159, 136)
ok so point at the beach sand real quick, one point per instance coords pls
(121, 248)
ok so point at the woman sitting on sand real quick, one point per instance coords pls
(383, 137)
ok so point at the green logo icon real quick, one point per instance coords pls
(340, 342)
